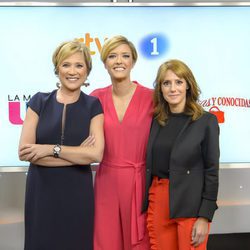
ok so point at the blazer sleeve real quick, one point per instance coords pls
(211, 153)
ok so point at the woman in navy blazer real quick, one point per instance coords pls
(182, 163)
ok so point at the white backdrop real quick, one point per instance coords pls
(213, 41)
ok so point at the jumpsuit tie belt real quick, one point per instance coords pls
(138, 218)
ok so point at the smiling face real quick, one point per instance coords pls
(174, 91)
(119, 62)
(72, 72)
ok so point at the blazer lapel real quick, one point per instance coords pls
(153, 133)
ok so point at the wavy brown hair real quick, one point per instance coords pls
(192, 108)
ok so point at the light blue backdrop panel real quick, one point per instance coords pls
(213, 41)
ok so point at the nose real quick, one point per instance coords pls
(72, 70)
(172, 86)
(118, 59)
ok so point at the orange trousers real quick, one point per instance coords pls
(166, 233)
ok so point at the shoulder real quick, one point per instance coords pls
(38, 100)
(209, 117)
(41, 97)
(90, 98)
(146, 94)
(92, 104)
(90, 101)
(144, 90)
(100, 92)
(208, 120)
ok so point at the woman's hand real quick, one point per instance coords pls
(200, 231)
(34, 152)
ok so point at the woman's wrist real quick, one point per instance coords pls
(203, 219)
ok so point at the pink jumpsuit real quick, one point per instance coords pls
(120, 179)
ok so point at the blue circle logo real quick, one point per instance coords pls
(154, 46)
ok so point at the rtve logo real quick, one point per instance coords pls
(89, 41)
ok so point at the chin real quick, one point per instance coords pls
(116, 78)
(173, 102)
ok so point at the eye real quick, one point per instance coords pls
(111, 56)
(126, 55)
(179, 82)
(80, 66)
(166, 83)
(65, 65)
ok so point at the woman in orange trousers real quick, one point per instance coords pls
(182, 163)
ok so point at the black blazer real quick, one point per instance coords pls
(193, 168)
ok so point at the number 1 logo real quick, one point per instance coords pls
(154, 42)
(154, 46)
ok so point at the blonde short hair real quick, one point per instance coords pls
(69, 48)
(113, 43)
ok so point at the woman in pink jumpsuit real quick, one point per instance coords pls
(120, 181)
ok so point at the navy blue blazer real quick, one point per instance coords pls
(193, 168)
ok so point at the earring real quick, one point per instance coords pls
(86, 83)
(58, 85)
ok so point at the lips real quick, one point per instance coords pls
(73, 79)
(173, 96)
(119, 68)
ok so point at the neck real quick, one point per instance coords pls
(122, 88)
(176, 109)
(67, 97)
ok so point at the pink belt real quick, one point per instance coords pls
(138, 219)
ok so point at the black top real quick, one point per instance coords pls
(164, 142)
(193, 168)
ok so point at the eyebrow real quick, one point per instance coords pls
(115, 53)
